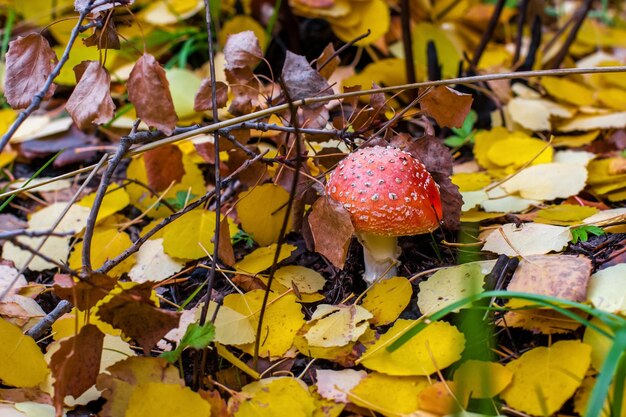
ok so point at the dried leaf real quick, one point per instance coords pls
(332, 230)
(447, 106)
(133, 312)
(76, 365)
(606, 289)
(245, 90)
(29, 62)
(242, 50)
(164, 165)
(105, 37)
(225, 247)
(85, 293)
(203, 100)
(91, 100)
(328, 67)
(148, 90)
(301, 80)
(548, 181)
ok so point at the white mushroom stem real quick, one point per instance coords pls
(380, 254)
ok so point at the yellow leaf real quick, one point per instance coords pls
(471, 181)
(436, 347)
(191, 184)
(475, 216)
(153, 264)
(262, 211)
(337, 325)
(166, 400)
(242, 23)
(186, 237)
(584, 392)
(391, 396)
(168, 12)
(80, 53)
(613, 98)
(485, 139)
(481, 379)
(282, 320)
(115, 199)
(276, 397)
(515, 152)
(594, 122)
(372, 15)
(306, 280)
(21, 361)
(545, 377)
(182, 81)
(576, 141)
(564, 214)
(231, 327)
(606, 289)
(340, 354)
(600, 344)
(447, 53)
(387, 299)
(389, 71)
(569, 91)
(106, 244)
(261, 259)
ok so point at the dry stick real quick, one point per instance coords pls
(521, 19)
(111, 263)
(188, 132)
(283, 228)
(32, 233)
(38, 98)
(491, 27)
(407, 41)
(40, 328)
(344, 47)
(580, 14)
(95, 169)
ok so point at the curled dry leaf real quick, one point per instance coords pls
(29, 62)
(164, 165)
(447, 106)
(148, 90)
(91, 100)
(86, 292)
(203, 100)
(245, 89)
(242, 50)
(76, 365)
(332, 230)
(301, 80)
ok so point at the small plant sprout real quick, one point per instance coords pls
(388, 193)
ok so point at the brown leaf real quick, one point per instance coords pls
(447, 106)
(135, 314)
(29, 62)
(242, 50)
(219, 408)
(327, 70)
(225, 248)
(91, 100)
(85, 293)
(301, 80)
(76, 365)
(545, 321)
(203, 100)
(118, 384)
(164, 165)
(332, 230)
(245, 90)
(254, 174)
(148, 90)
(104, 38)
(560, 276)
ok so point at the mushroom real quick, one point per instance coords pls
(388, 193)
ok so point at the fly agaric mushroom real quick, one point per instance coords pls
(388, 193)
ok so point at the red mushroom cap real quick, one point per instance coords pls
(387, 192)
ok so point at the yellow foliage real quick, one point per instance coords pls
(157, 399)
(262, 258)
(481, 379)
(473, 181)
(568, 91)
(564, 214)
(276, 397)
(106, 244)
(387, 299)
(389, 395)
(262, 211)
(115, 199)
(21, 361)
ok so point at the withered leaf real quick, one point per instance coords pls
(29, 62)
(164, 165)
(85, 293)
(447, 106)
(301, 80)
(225, 247)
(76, 365)
(203, 100)
(135, 314)
(242, 50)
(245, 89)
(91, 100)
(148, 90)
(329, 64)
(332, 230)
(118, 384)
(104, 38)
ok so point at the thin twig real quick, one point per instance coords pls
(48, 320)
(32, 233)
(580, 14)
(487, 35)
(344, 47)
(521, 20)
(407, 41)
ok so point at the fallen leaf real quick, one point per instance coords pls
(148, 90)
(560, 276)
(262, 258)
(528, 239)
(91, 100)
(544, 378)
(481, 379)
(548, 181)
(170, 12)
(153, 264)
(133, 312)
(335, 385)
(76, 365)
(280, 397)
(538, 320)
(166, 400)
(572, 92)
(29, 62)
(21, 361)
(106, 244)
(306, 280)
(115, 199)
(448, 107)
(435, 348)
(244, 88)
(84, 293)
(181, 82)
(600, 344)
(242, 50)
(332, 230)
(564, 214)
(203, 99)
(606, 289)
(164, 166)
(386, 299)
(301, 80)
(262, 211)
(586, 123)
(337, 325)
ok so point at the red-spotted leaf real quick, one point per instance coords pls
(148, 90)
(29, 62)
(91, 100)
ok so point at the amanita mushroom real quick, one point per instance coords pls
(388, 193)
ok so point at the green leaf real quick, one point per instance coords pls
(468, 124)
(181, 199)
(454, 141)
(196, 337)
(581, 233)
